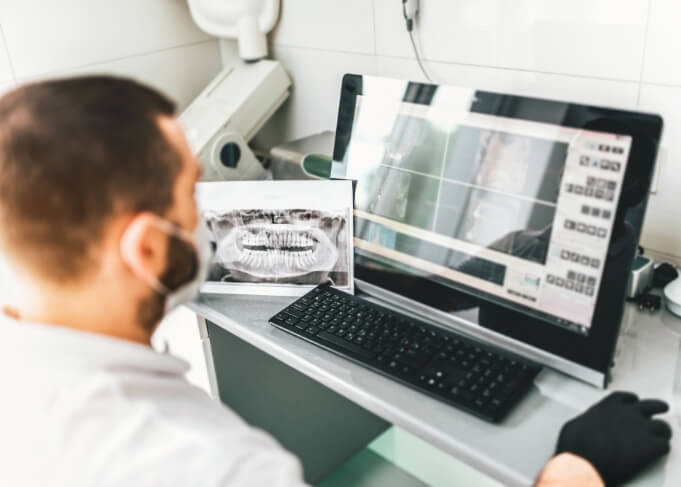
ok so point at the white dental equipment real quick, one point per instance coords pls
(221, 121)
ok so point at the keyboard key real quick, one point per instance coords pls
(414, 358)
(405, 371)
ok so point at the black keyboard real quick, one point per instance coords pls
(477, 378)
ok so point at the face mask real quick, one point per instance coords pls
(190, 290)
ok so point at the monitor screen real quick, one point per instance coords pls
(510, 201)
(519, 211)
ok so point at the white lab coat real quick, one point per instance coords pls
(79, 409)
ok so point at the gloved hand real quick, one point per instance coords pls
(617, 436)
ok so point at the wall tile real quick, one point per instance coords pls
(663, 45)
(43, 37)
(327, 24)
(5, 66)
(599, 38)
(313, 105)
(181, 72)
(621, 94)
(662, 229)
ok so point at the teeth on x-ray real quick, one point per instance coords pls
(276, 244)
(270, 250)
(274, 239)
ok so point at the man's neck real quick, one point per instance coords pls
(83, 308)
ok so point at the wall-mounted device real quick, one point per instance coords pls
(249, 21)
(229, 112)
(409, 10)
(221, 121)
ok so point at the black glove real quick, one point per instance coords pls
(617, 436)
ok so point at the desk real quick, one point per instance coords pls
(647, 362)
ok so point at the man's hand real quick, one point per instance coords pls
(568, 470)
(618, 436)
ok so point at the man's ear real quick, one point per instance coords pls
(144, 246)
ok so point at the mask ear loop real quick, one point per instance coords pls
(172, 229)
(128, 243)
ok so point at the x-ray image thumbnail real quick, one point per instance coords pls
(280, 246)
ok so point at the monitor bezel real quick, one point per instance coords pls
(594, 351)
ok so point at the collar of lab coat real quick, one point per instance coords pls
(55, 345)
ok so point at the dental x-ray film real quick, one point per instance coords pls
(278, 237)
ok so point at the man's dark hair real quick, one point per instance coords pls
(74, 153)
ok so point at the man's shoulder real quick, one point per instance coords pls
(173, 430)
(120, 428)
(165, 401)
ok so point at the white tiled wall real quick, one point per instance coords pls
(155, 41)
(609, 52)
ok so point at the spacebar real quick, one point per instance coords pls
(350, 347)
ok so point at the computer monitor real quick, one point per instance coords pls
(514, 219)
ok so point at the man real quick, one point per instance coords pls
(98, 231)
